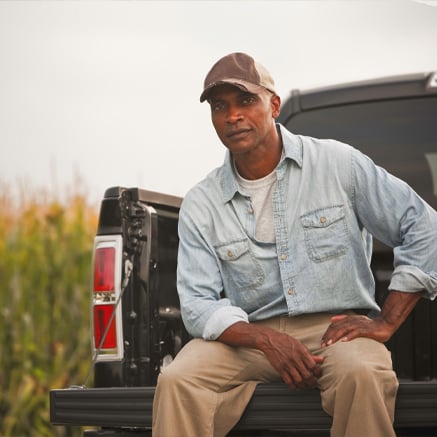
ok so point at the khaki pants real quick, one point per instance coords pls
(204, 392)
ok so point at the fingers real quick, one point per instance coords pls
(296, 365)
(346, 328)
(303, 373)
(339, 317)
(333, 336)
(338, 330)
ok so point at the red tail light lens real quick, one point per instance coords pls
(104, 265)
(102, 314)
(105, 296)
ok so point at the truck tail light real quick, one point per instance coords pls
(104, 269)
(102, 316)
(106, 319)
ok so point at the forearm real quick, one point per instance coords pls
(396, 309)
(243, 334)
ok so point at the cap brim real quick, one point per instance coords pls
(243, 85)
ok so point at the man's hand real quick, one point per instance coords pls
(296, 365)
(346, 328)
(396, 308)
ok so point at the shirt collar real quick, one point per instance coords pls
(292, 150)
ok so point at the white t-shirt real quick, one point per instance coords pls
(260, 191)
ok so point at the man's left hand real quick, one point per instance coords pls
(396, 308)
(346, 328)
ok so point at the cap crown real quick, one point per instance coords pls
(241, 70)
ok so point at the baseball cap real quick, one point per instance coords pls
(240, 70)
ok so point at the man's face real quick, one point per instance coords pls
(243, 121)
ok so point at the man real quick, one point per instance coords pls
(273, 270)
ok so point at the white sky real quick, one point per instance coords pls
(107, 91)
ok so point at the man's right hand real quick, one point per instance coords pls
(296, 365)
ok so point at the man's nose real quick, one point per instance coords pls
(234, 114)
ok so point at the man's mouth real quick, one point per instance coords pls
(237, 133)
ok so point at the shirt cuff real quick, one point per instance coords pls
(221, 320)
(411, 279)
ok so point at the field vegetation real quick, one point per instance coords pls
(45, 268)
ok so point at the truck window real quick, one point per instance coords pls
(400, 135)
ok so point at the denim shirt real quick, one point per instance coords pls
(329, 200)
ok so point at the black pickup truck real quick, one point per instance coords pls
(135, 316)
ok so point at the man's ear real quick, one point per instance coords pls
(276, 105)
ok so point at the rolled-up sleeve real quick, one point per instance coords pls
(411, 278)
(393, 212)
(205, 313)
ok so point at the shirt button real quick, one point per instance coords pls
(283, 257)
(230, 254)
(322, 219)
(250, 210)
(290, 291)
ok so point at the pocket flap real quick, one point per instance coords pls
(232, 251)
(322, 217)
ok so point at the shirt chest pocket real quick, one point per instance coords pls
(326, 233)
(241, 270)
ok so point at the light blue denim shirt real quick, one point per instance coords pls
(329, 200)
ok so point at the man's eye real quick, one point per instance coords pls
(217, 106)
(248, 100)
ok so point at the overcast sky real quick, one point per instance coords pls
(108, 91)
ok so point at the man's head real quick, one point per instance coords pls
(241, 71)
(244, 106)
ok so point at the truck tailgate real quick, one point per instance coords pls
(273, 406)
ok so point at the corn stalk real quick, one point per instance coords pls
(45, 267)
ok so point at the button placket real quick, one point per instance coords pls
(283, 249)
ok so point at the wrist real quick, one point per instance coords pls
(264, 338)
(387, 327)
